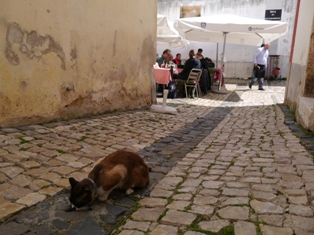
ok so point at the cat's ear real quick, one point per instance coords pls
(73, 182)
(86, 188)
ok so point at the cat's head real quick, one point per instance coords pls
(82, 193)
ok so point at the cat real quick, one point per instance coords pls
(121, 169)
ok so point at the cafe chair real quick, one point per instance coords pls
(193, 82)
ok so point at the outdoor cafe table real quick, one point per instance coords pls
(163, 75)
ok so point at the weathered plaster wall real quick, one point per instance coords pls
(239, 57)
(301, 52)
(299, 94)
(66, 59)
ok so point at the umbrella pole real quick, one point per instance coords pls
(222, 60)
(217, 55)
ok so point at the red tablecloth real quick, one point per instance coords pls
(163, 76)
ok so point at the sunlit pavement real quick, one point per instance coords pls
(226, 162)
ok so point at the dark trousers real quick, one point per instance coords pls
(259, 74)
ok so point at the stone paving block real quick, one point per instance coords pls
(304, 223)
(13, 228)
(178, 205)
(191, 183)
(51, 177)
(276, 220)
(190, 190)
(266, 207)
(251, 180)
(3, 178)
(264, 188)
(234, 212)
(300, 210)
(131, 232)
(235, 192)
(269, 230)
(6, 187)
(153, 202)
(237, 185)
(38, 184)
(212, 184)
(147, 214)
(142, 226)
(169, 182)
(8, 209)
(37, 172)
(209, 192)
(12, 171)
(302, 232)
(214, 226)
(16, 193)
(235, 201)
(183, 197)
(178, 218)
(29, 164)
(160, 193)
(86, 227)
(203, 210)
(263, 196)
(22, 180)
(205, 200)
(244, 228)
(164, 230)
(31, 199)
(51, 191)
(301, 200)
(291, 184)
(63, 170)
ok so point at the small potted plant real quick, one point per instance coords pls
(276, 69)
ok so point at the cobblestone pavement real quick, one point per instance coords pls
(231, 163)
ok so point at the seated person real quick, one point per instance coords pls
(205, 83)
(182, 77)
(199, 52)
(177, 60)
(211, 64)
(164, 58)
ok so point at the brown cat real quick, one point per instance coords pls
(121, 169)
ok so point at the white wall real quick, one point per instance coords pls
(236, 53)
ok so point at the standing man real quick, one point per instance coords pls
(260, 64)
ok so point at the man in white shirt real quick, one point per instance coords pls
(260, 64)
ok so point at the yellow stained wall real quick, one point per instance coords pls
(65, 59)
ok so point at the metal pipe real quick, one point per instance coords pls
(222, 60)
(217, 55)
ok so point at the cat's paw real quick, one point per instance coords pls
(129, 191)
(102, 198)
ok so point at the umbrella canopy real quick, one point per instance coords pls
(241, 30)
(231, 29)
(166, 34)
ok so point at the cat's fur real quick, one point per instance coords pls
(121, 169)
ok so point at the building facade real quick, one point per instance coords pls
(67, 59)
(299, 95)
(239, 57)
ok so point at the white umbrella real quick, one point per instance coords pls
(240, 30)
(167, 36)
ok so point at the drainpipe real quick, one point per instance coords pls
(292, 46)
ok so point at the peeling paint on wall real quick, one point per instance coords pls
(31, 44)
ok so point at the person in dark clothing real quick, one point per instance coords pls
(177, 60)
(182, 77)
(210, 63)
(205, 79)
